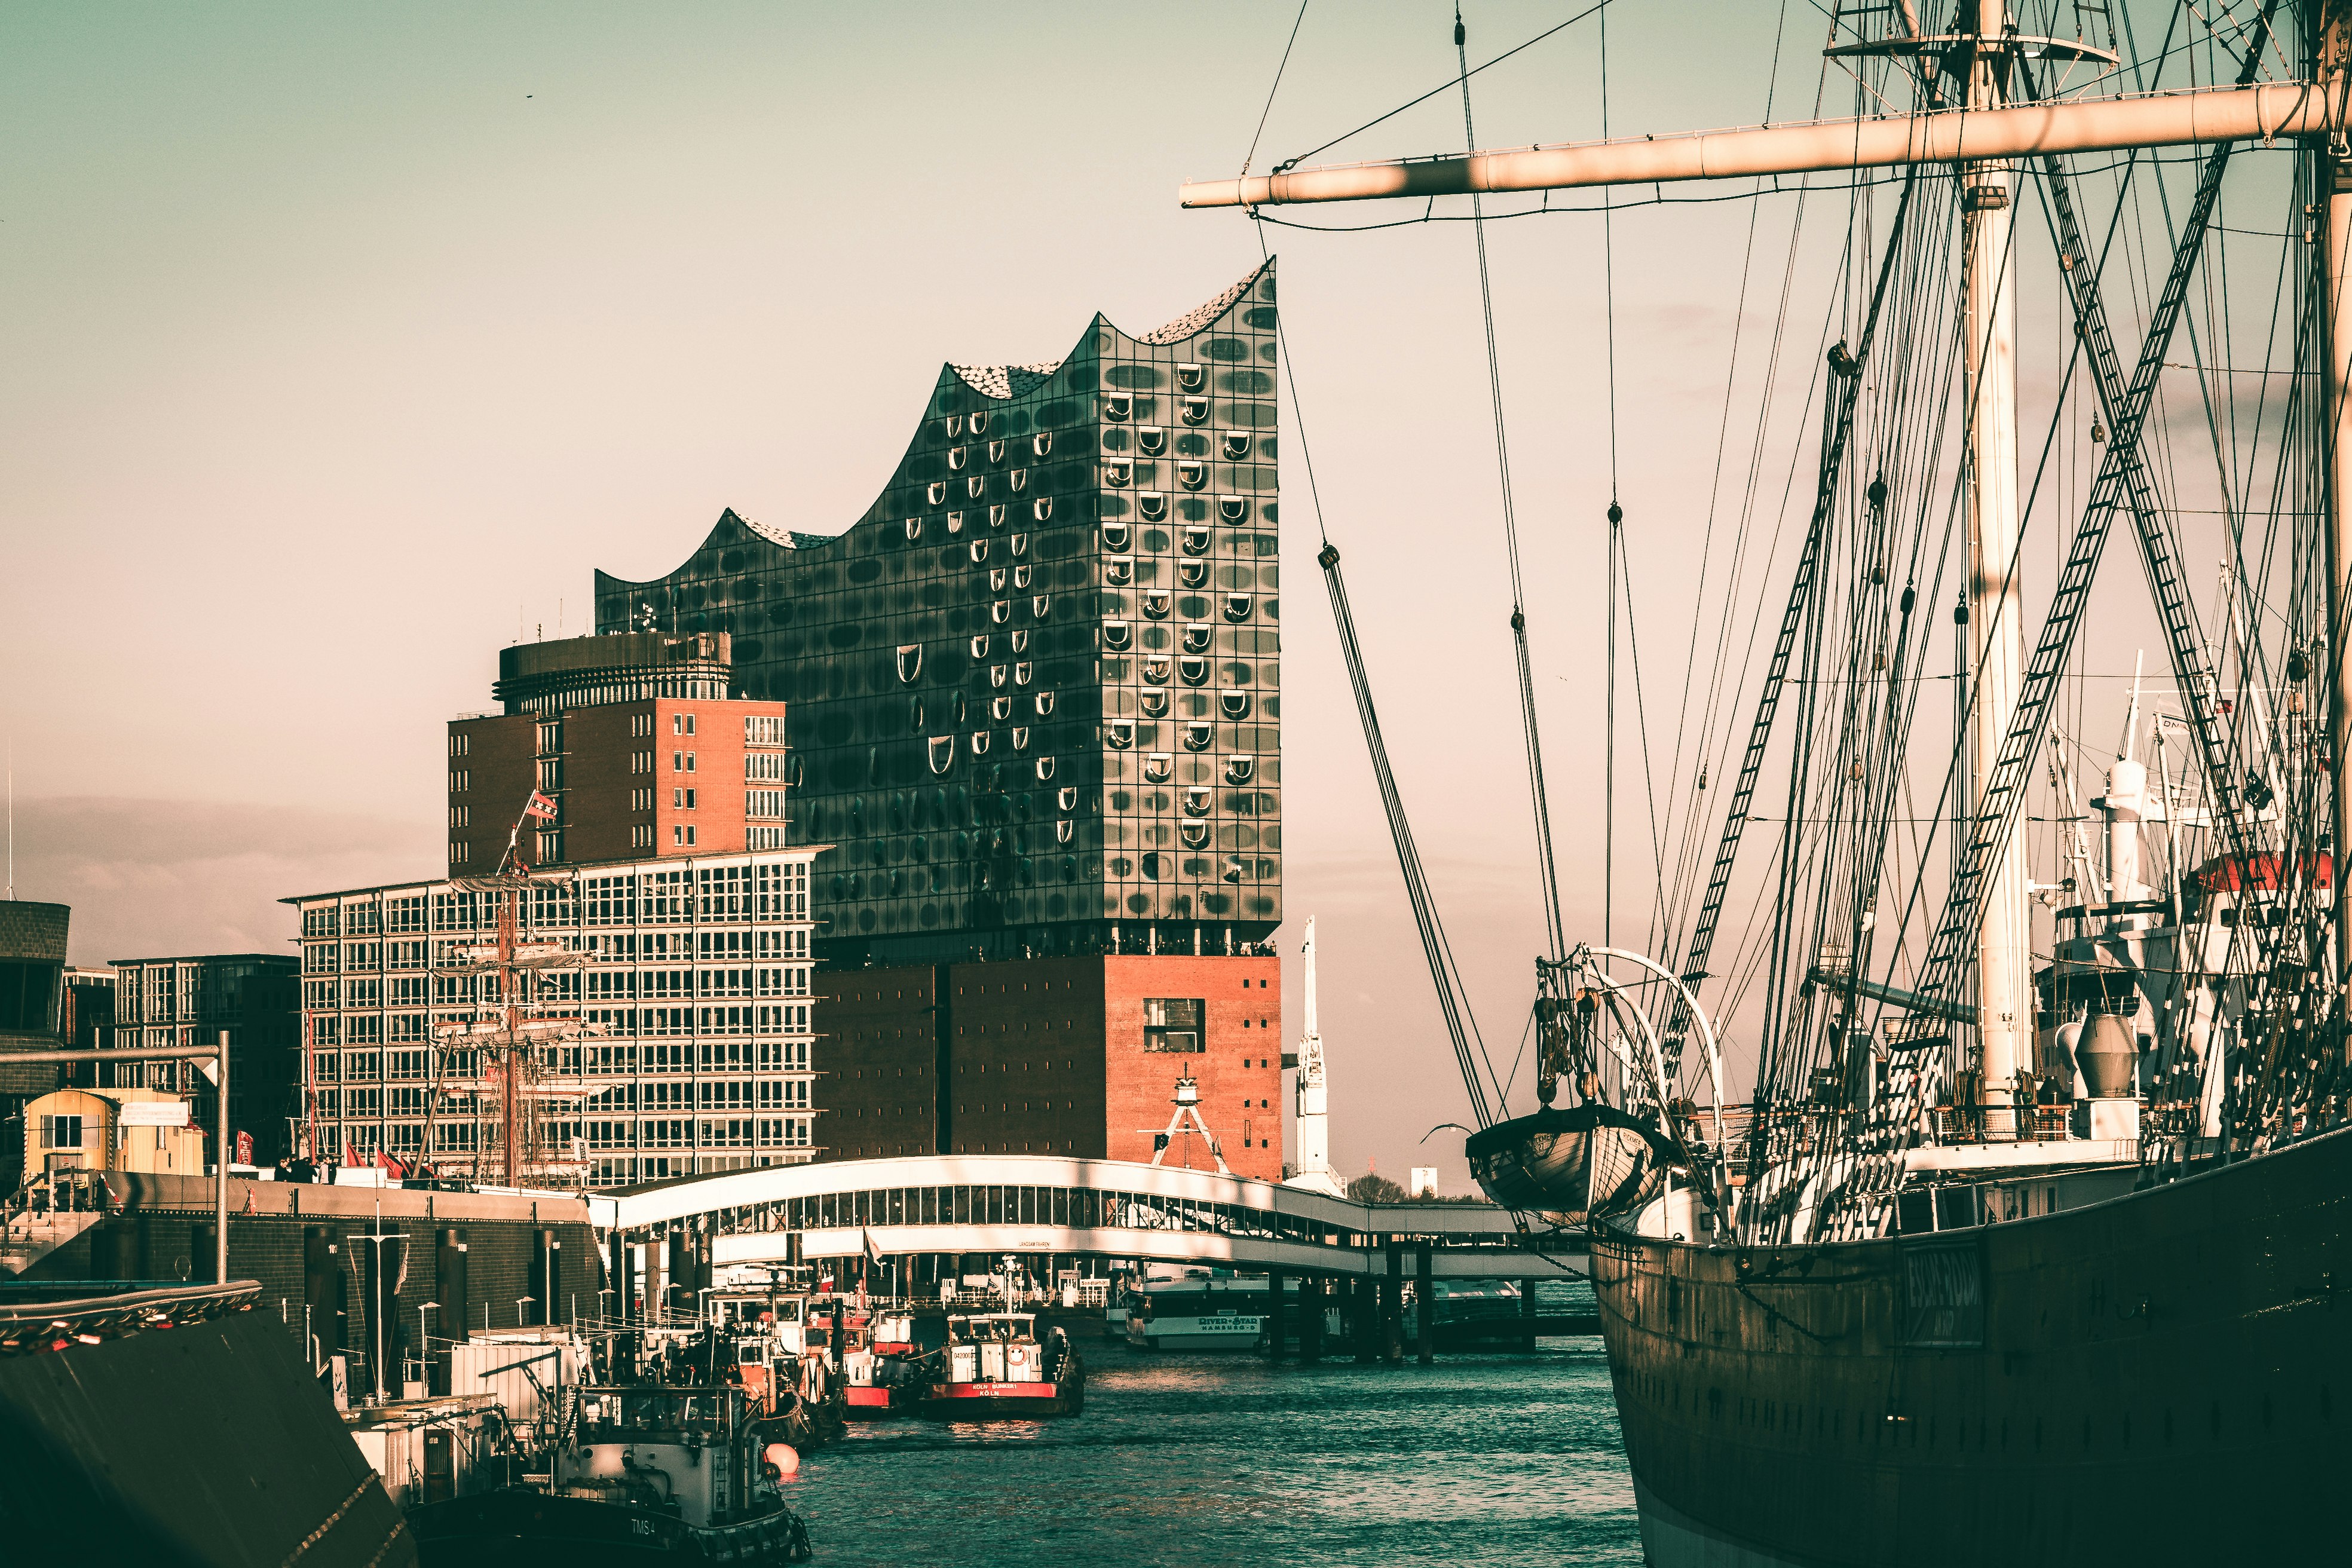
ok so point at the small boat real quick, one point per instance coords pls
(996, 1368)
(1566, 1163)
(1196, 1310)
(878, 1365)
(652, 1475)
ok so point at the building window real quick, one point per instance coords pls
(641, 837)
(641, 723)
(764, 838)
(460, 851)
(551, 774)
(681, 723)
(551, 738)
(760, 767)
(461, 781)
(682, 836)
(763, 803)
(550, 847)
(641, 761)
(461, 816)
(458, 745)
(1172, 1024)
(60, 1132)
(763, 729)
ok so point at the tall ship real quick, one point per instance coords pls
(2023, 1239)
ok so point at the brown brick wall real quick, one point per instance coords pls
(597, 781)
(1046, 1056)
(877, 1058)
(500, 765)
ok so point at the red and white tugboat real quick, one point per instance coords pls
(996, 1368)
(878, 1365)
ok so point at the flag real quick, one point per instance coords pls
(540, 806)
(391, 1166)
(351, 1157)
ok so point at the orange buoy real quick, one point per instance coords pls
(783, 1459)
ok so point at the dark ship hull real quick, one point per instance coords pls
(521, 1528)
(2162, 1378)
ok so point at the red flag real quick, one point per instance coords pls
(540, 805)
(391, 1166)
(351, 1157)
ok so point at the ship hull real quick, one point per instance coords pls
(2159, 1377)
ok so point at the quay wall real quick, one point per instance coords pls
(313, 1248)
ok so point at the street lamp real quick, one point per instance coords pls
(521, 1301)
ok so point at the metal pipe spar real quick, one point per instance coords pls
(2263, 113)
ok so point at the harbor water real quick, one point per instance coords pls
(1208, 1459)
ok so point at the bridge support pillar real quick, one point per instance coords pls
(1527, 1316)
(1276, 1329)
(1392, 1306)
(1364, 1317)
(1310, 1320)
(1424, 1295)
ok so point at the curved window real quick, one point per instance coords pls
(1118, 571)
(1021, 576)
(1234, 705)
(1155, 705)
(1115, 634)
(1233, 509)
(1120, 734)
(1115, 535)
(1237, 445)
(914, 529)
(1196, 671)
(1196, 411)
(979, 743)
(1239, 768)
(1019, 479)
(1198, 798)
(975, 487)
(1021, 541)
(937, 490)
(996, 675)
(1041, 507)
(915, 714)
(1192, 574)
(1044, 769)
(1238, 606)
(955, 459)
(1000, 709)
(996, 514)
(1021, 642)
(1021, 673)
(1044, 702)
(910, 662)
(1119, 407)
(1150, 865)
(1042, 605)
(1001, 611)
(1042, 443)
(996, 451)
(1159, 767)
(955, 522)
(979, 421)
(1118, 474)
(978, 549)
(1196, 834)
(1064, 831)
(942, 752)
(1021, 737)
(1152, 504)
(979, 648)
(1192, 476)
(1188, 376)
(1198, 734)
(996, 579)
(1195, 541)
(1150, 439)
(955, 426)
(1197, 638)
(1156, 606)
(1155, 671)
(1067, 800)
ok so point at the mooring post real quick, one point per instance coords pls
(1275, 1329)
(1424, 1292)
(1528, 1315)
(1392, 1306)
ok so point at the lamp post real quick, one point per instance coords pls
(520, 1303)
(424, 1344)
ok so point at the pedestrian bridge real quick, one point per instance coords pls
(995, 1204)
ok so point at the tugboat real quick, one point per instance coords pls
(996, 1368)
(650, 1475)
(878, 1365)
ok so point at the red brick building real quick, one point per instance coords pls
(1068, 1056)
(634, 738)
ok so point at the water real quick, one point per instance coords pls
(1206, 1460)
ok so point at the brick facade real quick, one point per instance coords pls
(1047, 1056)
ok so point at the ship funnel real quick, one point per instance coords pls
(2108, 1056)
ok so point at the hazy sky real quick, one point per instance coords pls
(345, 342)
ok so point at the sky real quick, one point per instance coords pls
(347, 342)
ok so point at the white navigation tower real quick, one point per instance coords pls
(1314, 1109)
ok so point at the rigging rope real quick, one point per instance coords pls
(1547, 866)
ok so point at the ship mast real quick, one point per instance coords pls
(2335, 187)
(1996, 615)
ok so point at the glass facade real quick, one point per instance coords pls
(694, 974)
(1036, 690)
